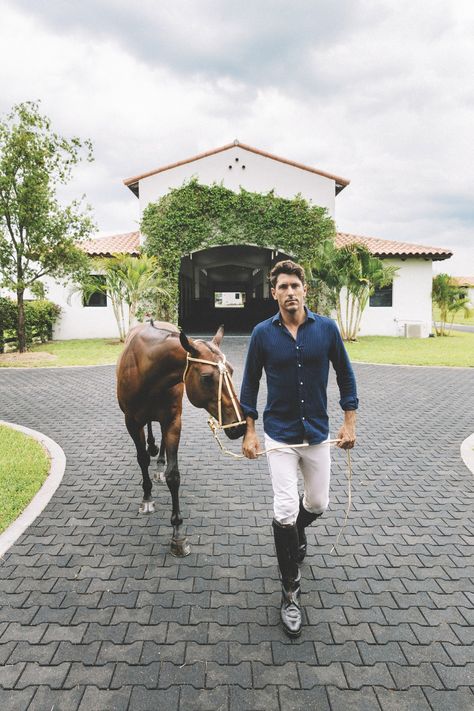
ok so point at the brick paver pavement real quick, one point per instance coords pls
(96, 614)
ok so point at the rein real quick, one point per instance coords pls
(214, 427)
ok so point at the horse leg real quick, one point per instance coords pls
(159, 475)
(138, 435)
(179, 545)
(152, 448)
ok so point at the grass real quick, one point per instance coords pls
(92, 351)
(24, 466)
(454, 350)
(459, 318)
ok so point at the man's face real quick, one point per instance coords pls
(290, 293)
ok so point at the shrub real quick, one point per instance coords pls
(40, 317)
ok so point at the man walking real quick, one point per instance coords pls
(295, 347)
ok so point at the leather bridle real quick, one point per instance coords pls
(224, 379)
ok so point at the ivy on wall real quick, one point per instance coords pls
(196, 216)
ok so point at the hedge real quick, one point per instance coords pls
(40, 316)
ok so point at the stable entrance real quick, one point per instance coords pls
(227, 285)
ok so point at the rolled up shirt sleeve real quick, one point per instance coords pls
(344, 373)
(251, 378)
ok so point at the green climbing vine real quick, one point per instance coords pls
(197, 216)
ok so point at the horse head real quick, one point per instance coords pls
(208, 378)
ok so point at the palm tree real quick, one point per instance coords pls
(140, 280)
(127, 281)
(450, 299)
(350, 274)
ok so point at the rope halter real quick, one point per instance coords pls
(224, 379)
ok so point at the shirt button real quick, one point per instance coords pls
(301, 383)
(299, 365)
(302, 418)
(302, 400)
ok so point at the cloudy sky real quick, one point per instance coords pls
(377, 91)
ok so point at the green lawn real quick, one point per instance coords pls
(458, 319)
(93, 351)
(24, 466)
(454, 350)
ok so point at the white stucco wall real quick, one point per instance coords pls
(260, 175)
(78, 321)
(411, 301)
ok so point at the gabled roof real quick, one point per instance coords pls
(129, 243)
(389, 248)
(132, 183)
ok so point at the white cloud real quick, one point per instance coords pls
(376, 92)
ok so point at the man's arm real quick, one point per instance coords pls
(348, 392)
(251, 443)
(248, 397)
(347, 433)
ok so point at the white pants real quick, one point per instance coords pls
(315, 464)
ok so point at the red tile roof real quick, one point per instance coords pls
(132, 183)
(130, 244)
(389, 248)
(463, 281)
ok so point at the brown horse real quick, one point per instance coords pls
(156, 363)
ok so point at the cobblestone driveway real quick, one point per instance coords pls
(97, 615)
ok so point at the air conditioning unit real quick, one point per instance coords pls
(413, 330)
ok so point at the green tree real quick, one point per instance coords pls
(38, 236)
(129, 281)
(450, 299)
(348, 276)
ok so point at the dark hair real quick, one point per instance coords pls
(286, 267)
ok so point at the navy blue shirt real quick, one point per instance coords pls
(297, 376)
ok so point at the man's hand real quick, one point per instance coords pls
(347, 433)
(251, 444)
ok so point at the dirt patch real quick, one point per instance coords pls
(26, 359)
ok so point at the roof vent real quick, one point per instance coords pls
(236, 142)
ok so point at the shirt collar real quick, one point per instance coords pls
(310, 316)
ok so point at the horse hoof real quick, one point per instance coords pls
(179, 547)
(147, 507)
(159, 477)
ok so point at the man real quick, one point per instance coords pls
(295, 348)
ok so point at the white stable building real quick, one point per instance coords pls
(228, 284)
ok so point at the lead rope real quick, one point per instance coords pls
(214, 426)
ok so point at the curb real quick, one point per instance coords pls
(467, 452)
(43, 496)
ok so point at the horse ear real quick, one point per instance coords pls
(219, 336)
(184, 340)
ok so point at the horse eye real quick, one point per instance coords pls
(206, 378)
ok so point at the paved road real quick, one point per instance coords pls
(461, 327)
(97, 615)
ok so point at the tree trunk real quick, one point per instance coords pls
(20, 327)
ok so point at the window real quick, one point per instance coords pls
(382, 296)
(99, 297)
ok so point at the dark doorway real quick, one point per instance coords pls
(226, 285)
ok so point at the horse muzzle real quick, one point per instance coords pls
(236, 431)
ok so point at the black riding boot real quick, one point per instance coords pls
(305, 518)
(286, 545)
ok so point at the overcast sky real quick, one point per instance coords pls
(377, 91)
